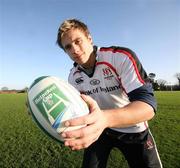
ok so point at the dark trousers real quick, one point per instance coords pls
(139, 150)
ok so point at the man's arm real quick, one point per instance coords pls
(98, 120)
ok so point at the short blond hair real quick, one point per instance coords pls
(68, 25)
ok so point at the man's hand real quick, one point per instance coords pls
(95, 123)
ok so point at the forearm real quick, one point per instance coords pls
(133, 113)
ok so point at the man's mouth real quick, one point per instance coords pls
(77, 57)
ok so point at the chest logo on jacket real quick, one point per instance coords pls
(108, 75)
(79, 80)
(95, 82)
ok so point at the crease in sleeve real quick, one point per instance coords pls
(145, 94)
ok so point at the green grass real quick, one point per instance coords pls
(166, 128)
(22, 144)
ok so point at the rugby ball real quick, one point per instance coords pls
(51, 101)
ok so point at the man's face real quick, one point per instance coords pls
(77, 45)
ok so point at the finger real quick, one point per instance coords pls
(84, 120)
(81, 143)
(74, 134)
(82, 132)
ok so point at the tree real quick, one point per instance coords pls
(23, 90)
(4, 88)
(151, 77)
(162, 84)
(177, 75)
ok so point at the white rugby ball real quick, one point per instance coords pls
(52, 101)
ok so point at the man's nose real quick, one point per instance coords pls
(75, 49)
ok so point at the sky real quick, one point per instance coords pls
(28, 32)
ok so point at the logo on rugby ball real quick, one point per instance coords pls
(52, 103)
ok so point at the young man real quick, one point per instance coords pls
(120, 98)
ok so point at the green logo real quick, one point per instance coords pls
(52, 103)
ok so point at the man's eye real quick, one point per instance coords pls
(67, 47)
(78, 41)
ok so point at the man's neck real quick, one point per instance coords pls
(92, 60)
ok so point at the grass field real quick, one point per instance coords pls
(23, 145)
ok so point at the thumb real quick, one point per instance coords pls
(92, 104)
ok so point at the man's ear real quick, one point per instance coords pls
(90, 38)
